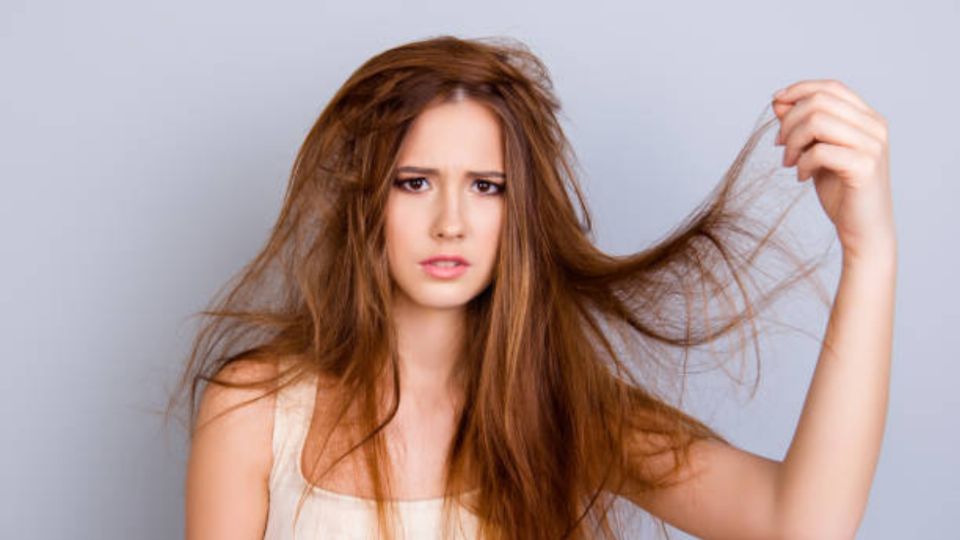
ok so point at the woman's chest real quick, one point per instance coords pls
(416, 447)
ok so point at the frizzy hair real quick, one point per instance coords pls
(556, 420)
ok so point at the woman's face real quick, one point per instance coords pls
(446, 200)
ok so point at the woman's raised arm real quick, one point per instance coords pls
(821, 487)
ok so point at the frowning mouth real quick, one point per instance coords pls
(445, 268)
(446, 260)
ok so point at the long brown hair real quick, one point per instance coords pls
(556, 419)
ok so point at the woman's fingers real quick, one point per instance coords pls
(827, 101)
(845, 161)
(818, 125)
(804, 88)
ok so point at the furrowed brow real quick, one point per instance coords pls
(435, 172)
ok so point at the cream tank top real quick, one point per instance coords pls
(327, 514)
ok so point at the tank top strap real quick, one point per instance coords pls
(291, 420)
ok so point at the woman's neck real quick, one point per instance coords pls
(430, 350)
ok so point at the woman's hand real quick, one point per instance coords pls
(831, 135)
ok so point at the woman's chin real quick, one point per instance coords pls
(440, 297)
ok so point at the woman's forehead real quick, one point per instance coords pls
(459, 135)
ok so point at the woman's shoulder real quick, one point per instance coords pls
(240, 410)
(230, 450)
(242, 413)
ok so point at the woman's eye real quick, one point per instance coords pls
(413, 185)
(414, 182)
(487, 186)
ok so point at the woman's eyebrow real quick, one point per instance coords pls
(435, 172)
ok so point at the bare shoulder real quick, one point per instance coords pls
(231, 455)
(221, 401)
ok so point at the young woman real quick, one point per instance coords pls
(424, 349)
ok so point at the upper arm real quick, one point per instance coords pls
(230, 458)
(725, 492)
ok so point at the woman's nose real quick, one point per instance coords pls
(450, 218)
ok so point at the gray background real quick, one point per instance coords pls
(144, 148)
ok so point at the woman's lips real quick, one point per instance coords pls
(444, 272)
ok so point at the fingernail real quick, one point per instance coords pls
(779, 93)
